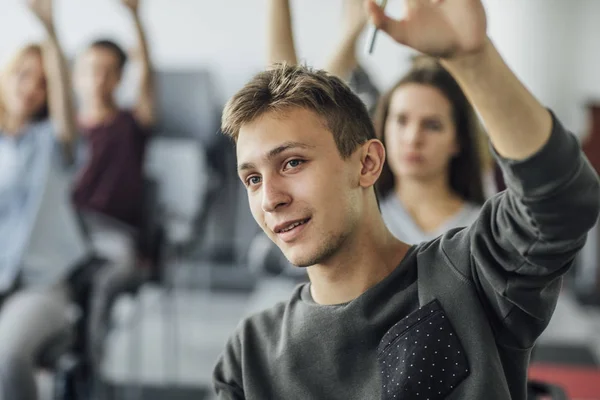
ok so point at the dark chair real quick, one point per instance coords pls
(74, 379)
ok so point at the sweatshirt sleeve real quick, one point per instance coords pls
(527, 237)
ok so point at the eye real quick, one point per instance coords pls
(401, 119)
(433, 125)
(252, 180)
(294, 163)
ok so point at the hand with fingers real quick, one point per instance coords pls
(440, 28)
(42, 9)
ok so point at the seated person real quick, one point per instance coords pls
(382, 319)
(37, 130)
(109, 188)
(431, 179)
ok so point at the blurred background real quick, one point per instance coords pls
(214, 268)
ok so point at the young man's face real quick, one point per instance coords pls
(97, 74)
(301, 192)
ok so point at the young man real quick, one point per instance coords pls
(111, 182)
(109, 189)
(453, 318)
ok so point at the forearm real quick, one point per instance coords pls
(145, 103)
(517, 124)
(280, 37)
(344, 60)
(60, 99)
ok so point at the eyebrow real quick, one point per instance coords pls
(276, 151)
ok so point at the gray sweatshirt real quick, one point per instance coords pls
(456, 320)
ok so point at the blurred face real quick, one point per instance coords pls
(97, 74)
(24, 90)
(420, 134)
(301, 192)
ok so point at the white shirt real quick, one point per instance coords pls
(402, 225)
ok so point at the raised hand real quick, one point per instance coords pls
(132, 5)
(354, 16)
(441, 28)
(42, 9)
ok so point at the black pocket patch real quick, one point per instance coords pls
(421, 357)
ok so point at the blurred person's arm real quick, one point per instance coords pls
(343, 60)
(60, 99)
(280, 40)
(144, 110)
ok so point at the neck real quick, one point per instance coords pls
(364, 260)
(13, 126)
(417, 193)
(94, 111)
(429, 203)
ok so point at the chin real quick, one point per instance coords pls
(304, 256)
(300, 257)
(296, 258)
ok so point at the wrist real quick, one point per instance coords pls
(50, 31)
(470, 60)
(134, 14)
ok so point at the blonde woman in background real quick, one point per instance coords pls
(37, 129)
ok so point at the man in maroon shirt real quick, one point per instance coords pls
(109, 187)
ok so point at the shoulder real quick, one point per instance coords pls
(449, 252)
(42, 129)
(42, 135)
(130, 117)
(472, 211)
(267, 324)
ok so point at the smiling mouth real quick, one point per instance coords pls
(292, 226)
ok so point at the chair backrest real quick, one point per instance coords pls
(188, 104)
(189, 108)
(228, 226)
(179, 167)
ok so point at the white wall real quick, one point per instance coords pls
(551, 44)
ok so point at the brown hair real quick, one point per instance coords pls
(109, 45)
(11, 67)
(288, 86)
(465, 168)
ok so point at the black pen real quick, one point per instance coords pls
(373, 30)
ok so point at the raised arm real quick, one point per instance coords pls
(280, 36)
(526, 238)
(60, 99)
(144, 107)
(456, 31)
(343, 60)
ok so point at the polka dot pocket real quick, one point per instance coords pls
(421, 357)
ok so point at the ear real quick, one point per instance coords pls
(372, 160)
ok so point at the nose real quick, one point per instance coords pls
(413, 134)
(274, 195)
(27, 88)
